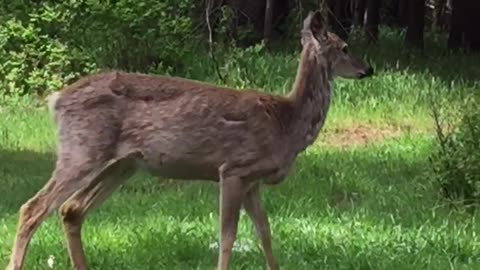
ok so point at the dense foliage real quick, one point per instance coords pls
(456, 161)
(46, 44)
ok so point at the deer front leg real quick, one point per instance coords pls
(232, 191)
(254, 209)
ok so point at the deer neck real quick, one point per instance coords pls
(311, 98)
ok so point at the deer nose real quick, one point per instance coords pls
(368, 72)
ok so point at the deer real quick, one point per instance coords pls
(110, 124)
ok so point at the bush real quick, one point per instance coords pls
(45, 45)
(33, 62)
(456, 160)
(135, 35)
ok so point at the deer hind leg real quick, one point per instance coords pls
(232, 192)
(65, 180)
(101, 185)
(255, 211)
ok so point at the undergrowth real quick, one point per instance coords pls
(456, 159)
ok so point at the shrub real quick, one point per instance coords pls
(33, 62)
(456, 160)
(45, 45)
(135, 35)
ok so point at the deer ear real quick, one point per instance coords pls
(315, 25)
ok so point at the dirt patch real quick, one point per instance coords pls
(362, 134)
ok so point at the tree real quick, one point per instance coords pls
(360, 7)
(373, 19)
(262, 17)
(339, 17)
(473, 25)
(439, 10)
(416, 23)
(267, 29)
(390, 12)
(457, 24)
(402, 12)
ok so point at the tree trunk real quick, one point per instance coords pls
(473, 25)
(391, 11)
(416, 24)
(457, 24)
(264, 16)
(402, 14)
(438, 12)
(267, 29)
(373, 19)
(338, 17)
(360, 7)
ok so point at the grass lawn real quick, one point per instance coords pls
(363, 206)
(359, 198)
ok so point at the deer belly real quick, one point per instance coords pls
(277, 178)
(280, 174)
(180, 169)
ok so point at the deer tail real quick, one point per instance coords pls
(52, 100)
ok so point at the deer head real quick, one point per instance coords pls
(332, 48)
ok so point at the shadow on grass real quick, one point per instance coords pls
(379, 180)
(22, 174)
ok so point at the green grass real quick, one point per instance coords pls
(371, 207)
(366, 207)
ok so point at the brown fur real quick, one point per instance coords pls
(111, 123)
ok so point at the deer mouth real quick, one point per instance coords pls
(366, 73)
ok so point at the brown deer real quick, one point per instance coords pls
(111, 123)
